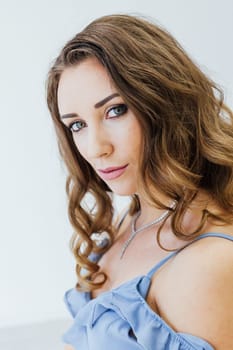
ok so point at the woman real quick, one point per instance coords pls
(136, 117)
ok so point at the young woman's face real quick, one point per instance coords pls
(105, 131)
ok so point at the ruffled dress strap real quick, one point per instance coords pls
(122, 319)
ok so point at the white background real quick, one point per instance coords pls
(36, 266)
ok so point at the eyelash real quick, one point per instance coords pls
(125, 108)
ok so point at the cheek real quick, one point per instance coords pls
(133, 138)
(80, 145)
(127, 138)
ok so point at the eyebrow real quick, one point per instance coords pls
(105, 100)
(97, 105)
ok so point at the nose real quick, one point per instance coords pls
(98, 143)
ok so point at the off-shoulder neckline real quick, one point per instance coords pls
(149, 274)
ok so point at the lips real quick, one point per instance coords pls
(112, 172)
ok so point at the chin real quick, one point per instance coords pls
(122, 190)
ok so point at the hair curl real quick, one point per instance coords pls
(188, 134)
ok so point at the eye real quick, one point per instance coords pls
(117, 111)
(76, 126)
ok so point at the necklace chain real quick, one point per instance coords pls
(134, 232)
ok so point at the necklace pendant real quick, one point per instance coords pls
(135, 231)
(122, 252)
(126, 244)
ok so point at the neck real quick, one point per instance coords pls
(193, 214)
(150, 212)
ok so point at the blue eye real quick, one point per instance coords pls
(117, 111)
(76, 126)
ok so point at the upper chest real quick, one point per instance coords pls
(140, 257)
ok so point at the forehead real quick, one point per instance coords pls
(82, 85)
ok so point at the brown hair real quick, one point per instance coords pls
(188, 134)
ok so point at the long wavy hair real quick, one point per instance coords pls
(187, 128)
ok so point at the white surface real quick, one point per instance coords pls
(35, 264)
(38, 336)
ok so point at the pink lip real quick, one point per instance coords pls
(112, 172)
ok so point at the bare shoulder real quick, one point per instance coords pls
(198, 290)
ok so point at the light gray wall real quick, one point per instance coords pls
(35, 264)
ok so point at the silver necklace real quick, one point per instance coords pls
(134, 232)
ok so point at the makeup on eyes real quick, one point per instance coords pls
(120, 110)
(76, 122)
(97, 105)
(120, 106)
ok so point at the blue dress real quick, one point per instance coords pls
(120, 319)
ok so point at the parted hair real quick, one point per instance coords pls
(187, 131)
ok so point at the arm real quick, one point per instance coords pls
(200, 300)
(68, 347)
